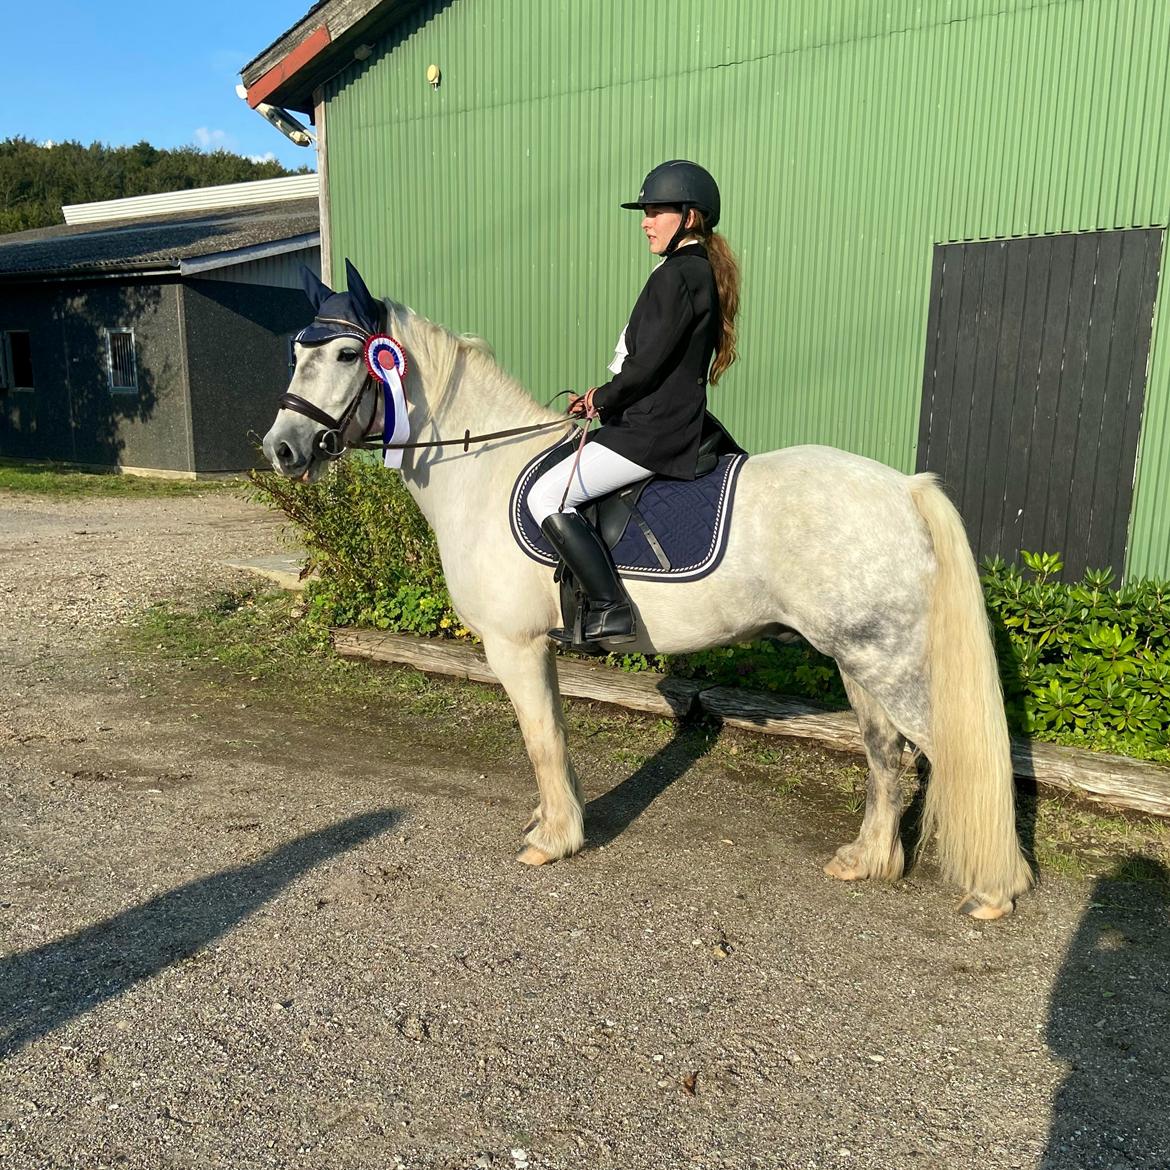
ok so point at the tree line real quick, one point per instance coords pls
(36, 181)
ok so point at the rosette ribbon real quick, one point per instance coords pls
(386, 361)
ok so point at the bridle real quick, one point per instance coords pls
(330, 443)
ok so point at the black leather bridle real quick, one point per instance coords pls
(330, 443)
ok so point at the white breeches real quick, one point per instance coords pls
(599, 472)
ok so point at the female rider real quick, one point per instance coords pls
(652, 409)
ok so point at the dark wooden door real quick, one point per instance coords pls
(1033, 389)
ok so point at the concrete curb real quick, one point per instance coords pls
(284, 571)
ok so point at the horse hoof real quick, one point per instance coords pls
(975, 907)
(844, 873)
(530, 855)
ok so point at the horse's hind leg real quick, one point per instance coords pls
(528, 672)
(877, 852)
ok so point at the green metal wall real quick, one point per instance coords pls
(848, 138)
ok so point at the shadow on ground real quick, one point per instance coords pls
(44, 988)
(1109, 1019)
(608, 816)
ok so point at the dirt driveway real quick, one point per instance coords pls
(251, 935)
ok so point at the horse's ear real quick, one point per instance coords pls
(315, 288)
(360, 296)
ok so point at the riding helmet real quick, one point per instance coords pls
(679, 183)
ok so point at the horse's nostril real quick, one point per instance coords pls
(284, 453)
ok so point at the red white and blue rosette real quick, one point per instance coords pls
(386, 361)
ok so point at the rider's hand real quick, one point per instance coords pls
(581, 405)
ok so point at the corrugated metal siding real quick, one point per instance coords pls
(848, 138)
(274, 271)
(194, 199)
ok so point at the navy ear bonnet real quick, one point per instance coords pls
(339, 314)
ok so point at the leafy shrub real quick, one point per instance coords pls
(376, 558)
(796, 670)
(1083, 663)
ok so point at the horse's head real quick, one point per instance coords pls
(331, 401)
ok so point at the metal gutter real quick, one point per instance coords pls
(184, 362)
(57, 275)
(244, 255)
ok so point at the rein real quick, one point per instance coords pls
(375, 441)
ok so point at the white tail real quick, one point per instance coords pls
(970, 802)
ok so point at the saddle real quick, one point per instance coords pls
(656, 529)
(611, 515)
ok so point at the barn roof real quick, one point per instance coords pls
(157, 244)
(318, 47)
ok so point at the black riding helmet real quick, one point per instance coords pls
(682, 184)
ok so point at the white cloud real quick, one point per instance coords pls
(267, 156)
(207, 139)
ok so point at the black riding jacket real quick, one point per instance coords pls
(652, 411)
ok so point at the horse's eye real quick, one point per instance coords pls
(349, 355)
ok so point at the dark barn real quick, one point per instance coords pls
(158, 340)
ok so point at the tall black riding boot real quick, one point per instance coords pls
(610, 617)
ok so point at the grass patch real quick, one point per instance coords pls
(261, 636)
(55, 479)
(261, 641)
(1075, 839)
(264, 642)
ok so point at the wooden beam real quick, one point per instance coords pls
(1103, 779)
(325, 207)
(288, 65)
(1115, 781)
(645, 691)
(778, 716)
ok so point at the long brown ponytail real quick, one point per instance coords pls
(726, 269)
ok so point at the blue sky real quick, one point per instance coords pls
(120, 71)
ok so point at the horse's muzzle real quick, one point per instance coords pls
(284, 456)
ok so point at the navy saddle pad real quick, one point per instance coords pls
(688, 519)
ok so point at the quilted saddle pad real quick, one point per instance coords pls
(688, 519)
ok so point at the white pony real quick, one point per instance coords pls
(871, 566)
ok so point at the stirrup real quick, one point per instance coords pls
(568, 641)
(615, 624)
(590, 629)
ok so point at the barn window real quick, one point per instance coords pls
(16, 372)
(120, 359)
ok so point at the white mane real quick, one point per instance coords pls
(437, 350)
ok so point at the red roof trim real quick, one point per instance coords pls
(288, 66)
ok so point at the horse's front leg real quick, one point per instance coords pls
(527, 669)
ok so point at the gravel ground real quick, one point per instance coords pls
(236, 934)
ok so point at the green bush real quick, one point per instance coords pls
(796, 670)
(376, 558)
(1083, 663)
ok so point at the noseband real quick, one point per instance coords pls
(330, 443)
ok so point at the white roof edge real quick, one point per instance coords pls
(196, 199)
(199, 264)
